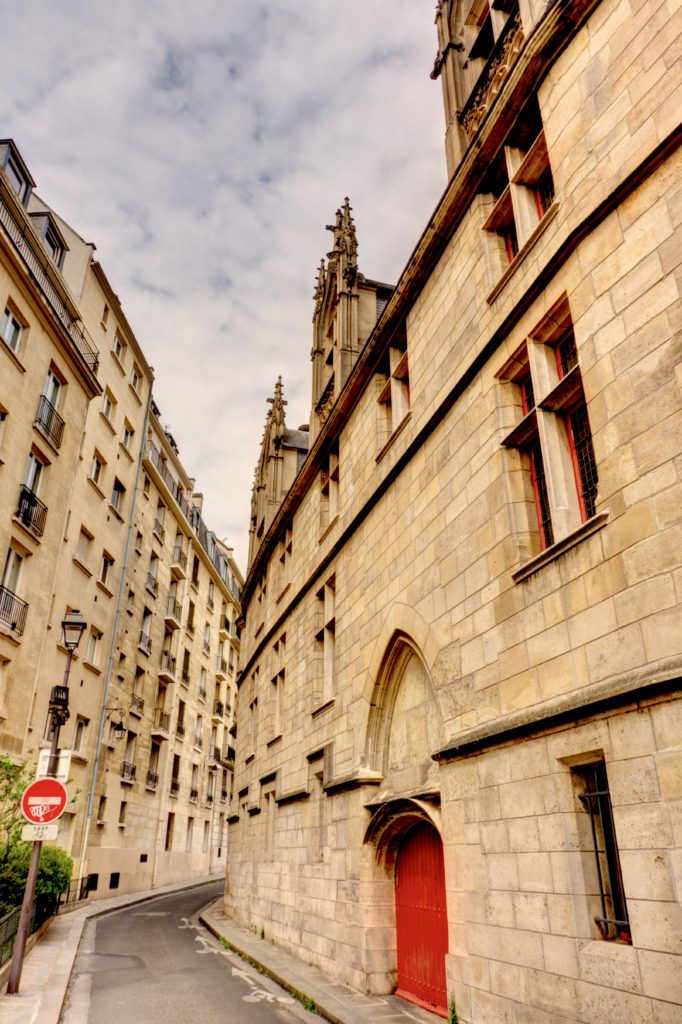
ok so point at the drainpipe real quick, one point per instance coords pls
(112, 651)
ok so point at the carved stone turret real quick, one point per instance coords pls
(346, 309)
(282, 451)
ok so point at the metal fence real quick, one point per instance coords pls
(9, 924)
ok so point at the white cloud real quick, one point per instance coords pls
(204, 153)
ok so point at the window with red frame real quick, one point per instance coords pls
(553, 421)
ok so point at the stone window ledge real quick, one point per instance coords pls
(555, 551)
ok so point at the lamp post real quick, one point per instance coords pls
(73, 627)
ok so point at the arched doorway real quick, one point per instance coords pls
(421, 918)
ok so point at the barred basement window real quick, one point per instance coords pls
(613, 921)
(553, 433)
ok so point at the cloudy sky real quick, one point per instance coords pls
(203, 148)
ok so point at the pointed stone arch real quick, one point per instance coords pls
(405, 724)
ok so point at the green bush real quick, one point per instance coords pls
(54, 875)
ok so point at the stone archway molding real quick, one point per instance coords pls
(392, 819)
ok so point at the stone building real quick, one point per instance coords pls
(459, 760)
(79, 433)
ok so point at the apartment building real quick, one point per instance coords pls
(162, 781)
(459, 757)
(83, 460)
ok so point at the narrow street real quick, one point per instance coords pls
(155, 962)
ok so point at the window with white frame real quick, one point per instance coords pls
(79, 735)
(326, 637)
(12, 328)
(106, 565)
(552, 434)
(117, 494)
(109, 404)
(127, 435)
(119, 348)
(136, 379)
(94, 648)
(97, 468)
(13, 572)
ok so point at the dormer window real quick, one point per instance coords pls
(15, 170)
(53, 241)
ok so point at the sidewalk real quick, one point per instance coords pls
(47, 968)
(338, 1003)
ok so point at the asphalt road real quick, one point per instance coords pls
(155, 964)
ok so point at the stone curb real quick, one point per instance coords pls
(44, 1004)
(334, 1001)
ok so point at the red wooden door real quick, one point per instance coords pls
(421, 919)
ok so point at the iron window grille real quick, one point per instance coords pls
(613, 923)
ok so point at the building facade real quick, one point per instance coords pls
(459, 754)
(83, 459)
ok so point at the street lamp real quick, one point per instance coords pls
(73, 627)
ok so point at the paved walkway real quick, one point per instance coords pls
(338, 1003)
(47, 969)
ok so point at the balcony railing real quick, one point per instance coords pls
(168, 664)
(12, 611)
(31, 511)
(37, 262)
(152, 779)
(136, 704)
(219, 709)
(194, 794)
(199, 742)
(223, 796)
(180, 729)
(185, 676)
(202, 693)
(128, 771)
(152, 583)
(175, 787)
(209, 798)
(173, 609)
(145, 642)
(161, 720)
(49, 420)
(159, 530)
(179, 560)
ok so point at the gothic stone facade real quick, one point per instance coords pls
(464, 616)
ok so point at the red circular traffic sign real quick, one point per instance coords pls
(44, 800)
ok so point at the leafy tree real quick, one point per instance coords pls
(54, 872)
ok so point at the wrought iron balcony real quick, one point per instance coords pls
(185, 677)
(152, 779)
(136, 704)
(168, 666)
(31, 511)
(128, 771)
(223, 796)
(161, 725)
(202, 693)
(152, 583)
(175, 787)
(180, 729)
(145, 642)
(49, 421)
(194, 794)
(219, 709)
(209, 798)
(159, 530)
(173, 613)
(12, 611)
(179, 563)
